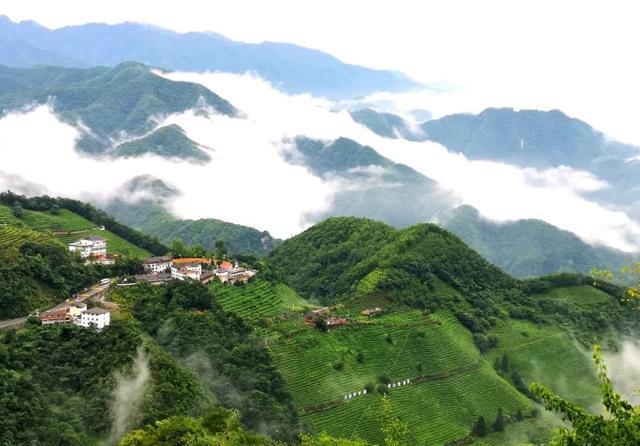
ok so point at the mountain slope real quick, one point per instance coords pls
(293, 68)
(106, 104)
(385, 124)
(372, 185)
(151, 218)
(527, 248)
(447, 316)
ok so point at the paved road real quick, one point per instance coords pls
(97, 291)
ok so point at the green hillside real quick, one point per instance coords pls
(109, 101)
(69, 227)
(258, 298)
(528, 248)
(169, 141)
(68, 218)
(152, 218)
(451, 318)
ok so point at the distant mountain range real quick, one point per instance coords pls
(292, 68)
(113, 108)
(527, 138)
(367, 184)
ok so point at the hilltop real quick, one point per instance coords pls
(115, 109)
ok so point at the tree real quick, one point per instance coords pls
(55, 209)
(178, 249)
(221, 249)
(504, 363)
(480, 428)
(394, 429)
(620, 427)
(500, 422)
(17, 210)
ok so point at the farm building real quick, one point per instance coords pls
(95, 317)
(92, 246)
(157, 265)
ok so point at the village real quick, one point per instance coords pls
(157, 271)
(162, 269)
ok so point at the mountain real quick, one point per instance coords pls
(374, 186)
(468, 337)
(169, 141)
(387, 125)
(293, 68)
(109, 106)
(528, 248)
(531, 138)
(152, 218)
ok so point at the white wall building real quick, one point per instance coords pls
(90, 246)
(186, 271)
(157, 265)
(95, 318)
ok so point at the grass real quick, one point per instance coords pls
(76, 226)
(258, 298)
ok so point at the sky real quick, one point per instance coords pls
(577, 56)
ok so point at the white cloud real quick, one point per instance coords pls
(248, 182)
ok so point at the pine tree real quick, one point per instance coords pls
(480, 428)
(500, 422)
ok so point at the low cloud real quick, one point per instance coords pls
(128, 396)
(623, 368)
(249, 182)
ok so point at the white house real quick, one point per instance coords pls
(157, 265)
(90, 246)
(186, 271)
(95, 317)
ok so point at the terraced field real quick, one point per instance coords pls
(69, 227)
(321, 367)
(15, 236)
(545, 355)
(258, 298)
(437, 411)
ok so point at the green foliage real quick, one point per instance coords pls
(40, 273)
(499, 423)
(57, 383)
(480, 427)
(394, 430)
(153, 219)
(87, 211)
(186, 431)
(188, 323)
(620, 427)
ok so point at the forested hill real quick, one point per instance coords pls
(93, 218)
(529, 248)
(152, 218)
(333, 259)
(291, 67)
(112, 102)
